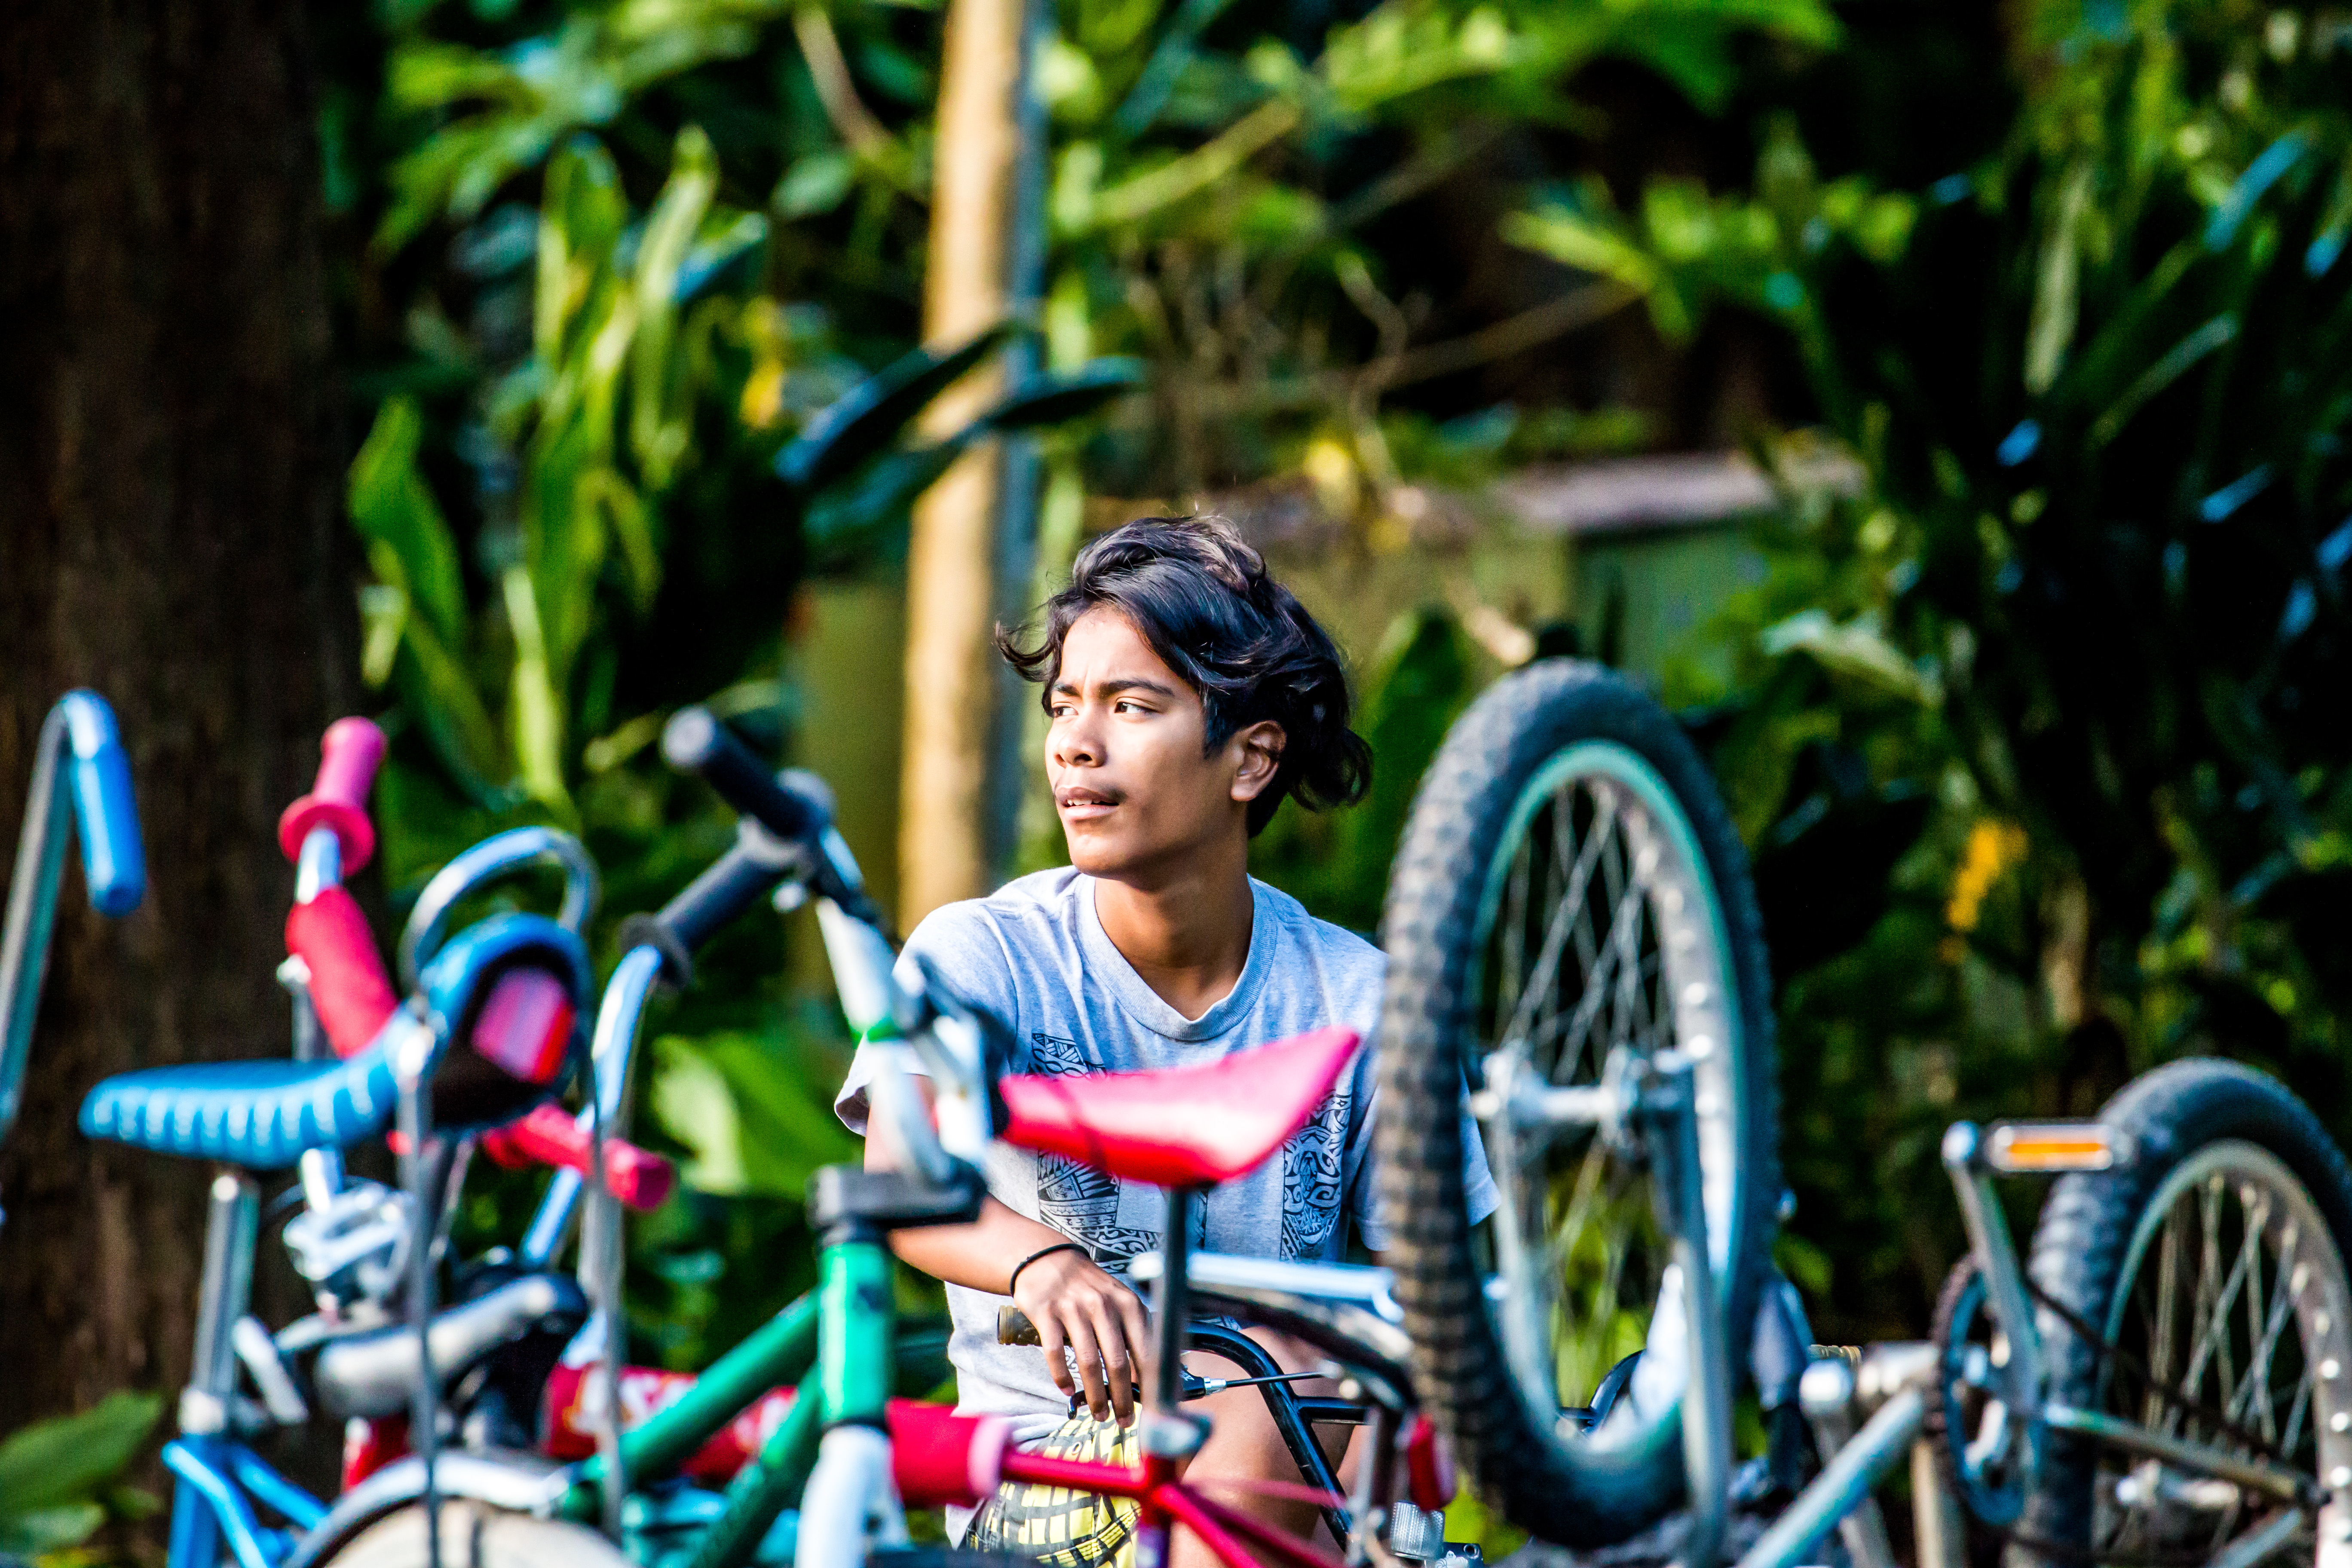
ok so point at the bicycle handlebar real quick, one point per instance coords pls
(695, 741)
(348, 755)
(348, 988)
(752, 868)
(552, 1136)
(106, 814)
(79, 738)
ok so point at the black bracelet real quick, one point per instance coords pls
(1041, 1252)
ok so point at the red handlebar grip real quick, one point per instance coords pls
(348, 758)
(348, 986)
(549, 1135)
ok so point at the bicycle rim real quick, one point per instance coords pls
(1599, 928)
(2234, 1294)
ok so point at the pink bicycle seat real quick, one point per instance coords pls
(1181, 1127)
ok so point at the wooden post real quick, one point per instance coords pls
(946, 848)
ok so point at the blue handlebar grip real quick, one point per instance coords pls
(113, 860)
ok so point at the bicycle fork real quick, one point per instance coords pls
(1650, 1103)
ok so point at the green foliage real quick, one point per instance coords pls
(1210, 212)
(1337, 863)
(2089, 593)
(59, 1478)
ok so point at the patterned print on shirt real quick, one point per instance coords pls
(1311, 1169)
(1075, 1198)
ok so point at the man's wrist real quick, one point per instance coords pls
(1014, 1281)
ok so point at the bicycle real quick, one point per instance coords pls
(506, 991)
(848, 1329)
(1569, 901)
(506, 1341)
(2118, 1396)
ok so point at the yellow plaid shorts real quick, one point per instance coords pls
(1059, 1527)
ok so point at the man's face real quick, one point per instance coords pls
(1135, 789)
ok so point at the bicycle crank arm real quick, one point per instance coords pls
(2244, 1469)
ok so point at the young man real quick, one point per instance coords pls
(1188, 695)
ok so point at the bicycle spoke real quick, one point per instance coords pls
(1557, 928)
(2168, 1294)
(1599, 985)
(2213, 1298)
(2296, 1414)
(2267, 1339)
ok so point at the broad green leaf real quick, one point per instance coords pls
(59, 1460)
(384, 617)
(1857, 648)
(1055, 396)
(816, 182)
(1575, 240)
(658, 433)
(626, 514)
(887, 491)
(442, 693)
(36, 1531)
(536, 711)
(875, 413)
(2052, 328)
(393, 506)
(691, 1100)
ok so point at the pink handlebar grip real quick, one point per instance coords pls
(348, 988)
(550, 1136)
(349, 756)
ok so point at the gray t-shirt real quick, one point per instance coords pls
(1035, 957)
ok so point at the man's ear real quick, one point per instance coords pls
(1258, 751)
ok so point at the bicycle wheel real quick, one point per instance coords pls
(1569, 884)
(476, 1536)
(2212, 1265)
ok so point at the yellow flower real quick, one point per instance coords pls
(1992, 848)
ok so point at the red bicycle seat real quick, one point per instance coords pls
(1180, 1127)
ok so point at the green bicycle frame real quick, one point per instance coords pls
(857, 1328)
(841, 1343)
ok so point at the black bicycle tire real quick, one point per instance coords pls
(1561, 1492)
(2086, 1226)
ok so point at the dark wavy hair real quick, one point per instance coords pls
(1206, 604)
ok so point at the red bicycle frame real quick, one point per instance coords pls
(1162, 1498)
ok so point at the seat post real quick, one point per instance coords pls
(1169, 1301)
(231, 1223)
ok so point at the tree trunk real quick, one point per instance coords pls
(945, 848)
(169, 536)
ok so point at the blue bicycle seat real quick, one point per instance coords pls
(258, 1114)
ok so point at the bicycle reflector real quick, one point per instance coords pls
(2019, 1148)
(525, 1025)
